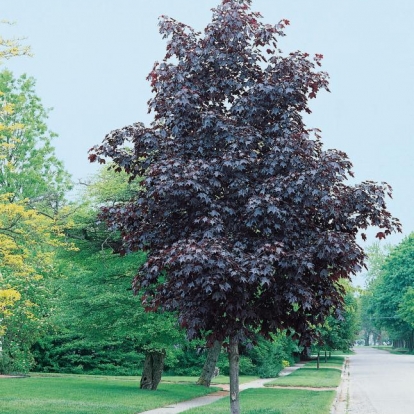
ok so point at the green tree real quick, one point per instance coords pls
(406, 307)
(27, 243)
(12, 47)
(96, 309)
(29, 168)
(370, 328)
(370, 322)
(389, 293)
(377, 253)
(32, 186)
(338, 332)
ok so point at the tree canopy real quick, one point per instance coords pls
(392, 294)
(32, 186)
(94, 296)
(12, 47)
(240, 203)
(371, 322)
(29, 167)
(340, 333)
(248, 222)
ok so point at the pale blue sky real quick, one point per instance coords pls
(91, 58)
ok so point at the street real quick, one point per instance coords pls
(378, 382)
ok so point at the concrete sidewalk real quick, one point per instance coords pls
(208, 399)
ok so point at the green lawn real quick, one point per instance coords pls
(333, 362)
(392, 350)
(310, 377)
(71, 394)
(81, 394)
(221, 379)
(275, 401)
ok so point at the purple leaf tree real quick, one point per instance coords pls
(248, 222)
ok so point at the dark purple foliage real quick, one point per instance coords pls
(248, 222)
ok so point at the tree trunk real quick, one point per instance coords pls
(379, 338)
(326, 357)
(209, 366)
(317, 360)
(234, 376)
(152, 372)
(306, 353)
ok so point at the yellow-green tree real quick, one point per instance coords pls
(27, 244)
(8, 296)
(31, 178)
(12, 47)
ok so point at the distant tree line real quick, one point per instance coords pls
(387, 304)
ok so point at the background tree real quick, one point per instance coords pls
(370, 326)
(397, 276)
(370, 322)
(210, 364)
(406, 307)
(247, 221)
(12, 47)
(376, 256)
(339, 333)
(100, 326)
(29, 167)
(29, 173)
(7, 299)
(27, 243)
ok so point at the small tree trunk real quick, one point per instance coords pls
(152, 372)
(306, 354)
(411, 345)
(326, 357)
(234, 376)
(317, 360)
(210, 364)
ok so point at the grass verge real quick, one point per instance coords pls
(70, 394)
(390, 349)
(332, 362)
(310, 377)
(221, 379)
(275, 401)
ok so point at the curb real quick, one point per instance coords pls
(340, 405)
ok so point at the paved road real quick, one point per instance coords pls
(377, 382)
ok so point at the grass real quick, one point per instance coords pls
(390, 349)
(221, 379)
(347, 352)
(333, 362)
(275, 401)
(310, 377)
(81, 394)
(75, 394)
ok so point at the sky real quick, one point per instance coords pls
(91, 59)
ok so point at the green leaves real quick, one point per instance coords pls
(99, 323)
(29, 167)
(32, 186)
(390, 290)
